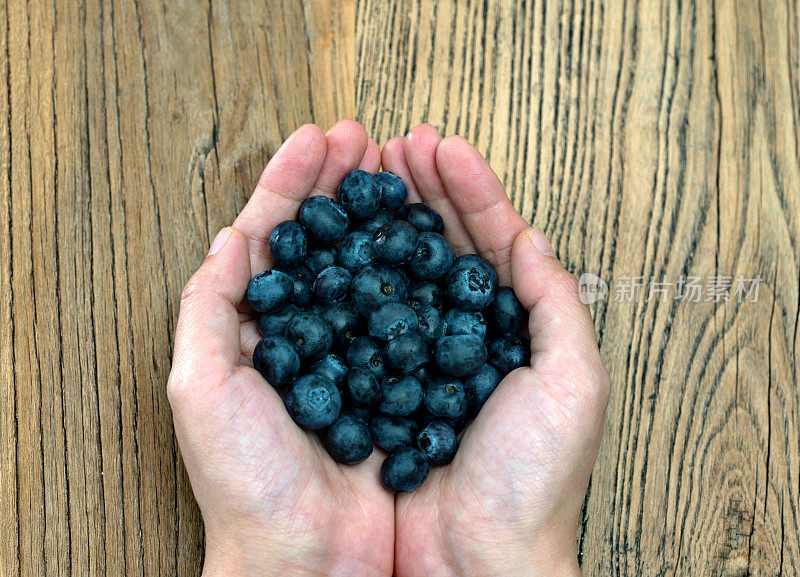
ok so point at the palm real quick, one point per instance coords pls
(276, 477)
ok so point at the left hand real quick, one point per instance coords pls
(273, 502)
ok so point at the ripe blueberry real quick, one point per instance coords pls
(345, 323)
(359, 194)
(367, 352)
(393, 190)
(465, 323)
(437, 440)
(395, 243)
(400, 396)
(407, 352)
(313, 402)
(506, 314)
(404, 470)
(332, 285)
(287, 243)
(375, 285)
(325, 220)
(509, 352)
(432, 258)
(422, 217)
(356, 251)
(277, 361)
(392, 320)
(391, 433)
(331, 366)
(348, 440)
(310, 335)
(363, 386)
(471, 283)
(269, 291)
(459, 355)
(273, 324)
(480, 386)
(445, 397)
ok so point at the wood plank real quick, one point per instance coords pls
(648, 139)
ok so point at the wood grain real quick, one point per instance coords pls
(648, 139)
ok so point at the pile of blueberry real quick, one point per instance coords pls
(375, 332)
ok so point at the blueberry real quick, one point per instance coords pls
(272, 324)
(375, 285)
(269, 291)
(310, 335)
(348, 440)
(431, 324)
(277, 361)
(459, 355)
(432, 258)
(392, 320)
(445, 397)
(287, 243)
(381, 218)
(356, 251)
(395, 243)
(393, 190)
(359, 194)
(425, 293)
(391, 433)
(325, 220)
(303, 280)
(422, 217)
(362, 413)
(331, 366)
(506, 314)
(332, 285)
(465, 323)
(345, 323)
(313, 402)
(407, 352)
(400, 396)
(319, 259)
(368, 353)
(423, 374)
(404, 470)
(438, 441)
(509, 352)
(471, 283)
(480, 386)
(363, 386)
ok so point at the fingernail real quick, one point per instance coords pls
(539, 240)
(219, 240)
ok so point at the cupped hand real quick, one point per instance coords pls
(510, 502)
(272, 501)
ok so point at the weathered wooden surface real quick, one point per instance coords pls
(648, 139)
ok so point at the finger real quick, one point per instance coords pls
(481, 201)
(284, 184)
(372, 158)
(248, 337)
(563, 339)
(393, 159)
(347, 143)
(420, 147)
(207, 335)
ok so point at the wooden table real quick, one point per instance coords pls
(649, 139)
